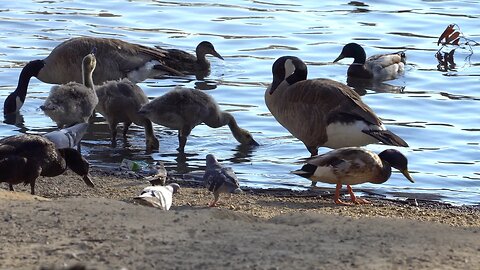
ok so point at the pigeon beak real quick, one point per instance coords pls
(340, 57)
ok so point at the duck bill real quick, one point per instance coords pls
(216, 54)
(340, 57)
(407, 175)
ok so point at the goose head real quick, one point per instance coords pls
(15, 100)
(204, 48)
(352, 50)
(287, 68)
(397, 160)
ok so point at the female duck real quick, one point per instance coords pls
(73, 103)
(354, 165)
(381, 67)
(119, 102)
(23, 158)
(183, 109)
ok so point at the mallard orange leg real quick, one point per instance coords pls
(337, 195)
(354, 198)
(215, 201)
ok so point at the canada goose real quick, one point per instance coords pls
(119, 102)
(354, 165)
(117, 59)
(190, 64)
(322, 112)
(382, 67)
(183, 109)
(23, 158)
(219, 179)
(73, 103)
(158, 196)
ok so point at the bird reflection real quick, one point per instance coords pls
(361, 86)
(242, 154)
(446, 60)
(17, 120)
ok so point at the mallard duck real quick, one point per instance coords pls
(73, 103)
(382, 67)
(183, 109)
(23, 158)
(117, 59)
(354, 165)
(322, 112)
(119, 102)
(190, 64)
(158, 196)
(219, 179)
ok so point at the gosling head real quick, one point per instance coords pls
(244, 137)
(89, 62)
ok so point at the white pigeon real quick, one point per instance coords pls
(219, 179)
(67, 137)
(158, 196)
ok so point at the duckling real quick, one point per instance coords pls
(23, 158)
(354, 165)
(158, 196)
(117, 60)
(183, 109)
(189, 64)
(219, 179)
(382, 67)
(73, 103)
(322, 112)
(119, 102)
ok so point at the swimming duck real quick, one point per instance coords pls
(219, 179)
(117, 59)
(158, 196)
(190, 64)
(354, 165)
(73, 103)
(119, 102)
(183, 109)
(382, 67)
(23, 158)
(322, 112)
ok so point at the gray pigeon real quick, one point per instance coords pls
(219, 179)
(67, 137)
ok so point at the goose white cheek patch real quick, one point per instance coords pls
(289, 68)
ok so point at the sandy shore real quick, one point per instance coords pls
(101, 228)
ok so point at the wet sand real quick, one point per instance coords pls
(70, 224)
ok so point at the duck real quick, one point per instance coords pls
(219, 179)
(158, 196)
(381, 67)
(73, 103)
(117, 59)
(192, 64)
(119, 102)
(183, 108)
(25, 157)
(322, 112)
(351, 166)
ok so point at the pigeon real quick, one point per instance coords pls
(67, 137)
(158, 196)
(219, 179)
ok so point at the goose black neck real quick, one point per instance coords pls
(15, 100)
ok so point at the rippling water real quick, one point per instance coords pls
(435, 111)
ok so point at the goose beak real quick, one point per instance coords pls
(340, 57)
(254, 143)
(94, 50)
(88, 181)
(407, 175)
